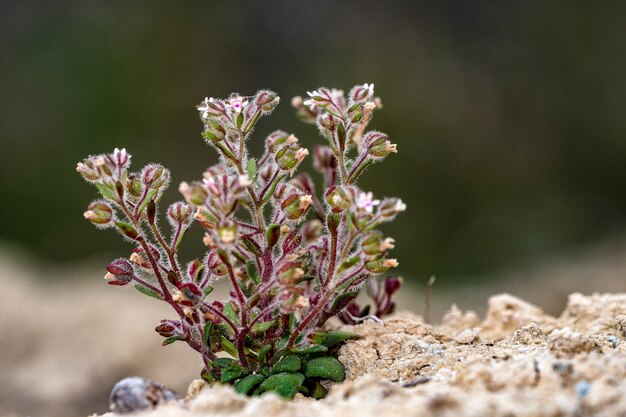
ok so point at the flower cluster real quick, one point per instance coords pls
(291, 266)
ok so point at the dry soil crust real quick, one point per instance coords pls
(517, 362)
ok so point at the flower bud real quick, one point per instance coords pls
(169, 328)
(179, 213)
(267, 100)
(295, 206)
(381, 265)
(215, 265)
(371, 244)
(120, 272)
(100, 213)
(154, 175)
(88, 170)
(378, 145)
(338, 198)
(278, 138)
(390, 207)
(120, 158)
(134, 185)
(361, 93)
(289, 157)
(214, 131)
(195, 194)
(139, 257)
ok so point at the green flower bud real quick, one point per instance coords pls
(100, 213)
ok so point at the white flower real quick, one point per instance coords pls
(400, 206)
(211, 186)
(237, 104)
(369, 88)
(120, 157)
(366, 202)
(205, 109)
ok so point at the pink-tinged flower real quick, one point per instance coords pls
(205, 109)
(369, 88)
(211, 186)
(237, 104)
(121, 157)
(366, 202)
(400, 206)
(315, 96)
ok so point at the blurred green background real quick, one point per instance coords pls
(510, 117)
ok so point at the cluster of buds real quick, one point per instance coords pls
(290, 267)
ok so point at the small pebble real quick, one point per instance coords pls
(136, 394)
(582, 388)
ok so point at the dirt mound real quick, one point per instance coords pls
(518, 361)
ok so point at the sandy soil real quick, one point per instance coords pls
(519, 361)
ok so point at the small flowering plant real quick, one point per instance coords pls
(293, 258)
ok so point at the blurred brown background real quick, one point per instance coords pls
(510, 119)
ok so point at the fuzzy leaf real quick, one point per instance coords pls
(253, 272)
(106, 192)
(326, 367)
(246, 384)
(263, 354)
(127, 230)
(263, 326)
(251, 169)
(206, 291)
(229, 311)
(290, 363)
(147, 291)
(171, 340)
(273, 234)
(228, 346)
(285, 384)
(240, 119)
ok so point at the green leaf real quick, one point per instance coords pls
(246, 384)
(348, 263)
(252, 246)
(310, 350)
(285, 384)
(263, 326)
(148, 198)
(207, 333)
(171, 340)
(289, 363)
(229, 311)
(147, 291)
(331, 338)
(263, 354)
(206, 291)
(272, 235)
(232, 373)
(106, 192)
(240, 119)
(251, 169)
(326, 367)
(253, 271)
(127, 230)
(228, 346)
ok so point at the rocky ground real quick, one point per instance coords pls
(67, 337)
(519, 361)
